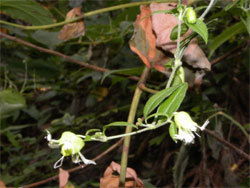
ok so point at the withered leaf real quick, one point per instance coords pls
(143, 42)
(73, 30)
(111, 181)
(63, 177)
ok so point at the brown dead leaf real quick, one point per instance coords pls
(163, 24)
(2, 185)
(111, 181)
(73, 30)
(143, 42)
(63, 178)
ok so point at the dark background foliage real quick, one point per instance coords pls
(64, 96)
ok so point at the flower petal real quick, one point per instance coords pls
(86, 161)
(185, 136)
(60, 161)
(204, 125)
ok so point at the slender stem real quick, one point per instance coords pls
(131, 117)
(171, 77)
(207, 9)
(137, 132)
(232, 120)
(177, 54)
(91, 13)
(129, 134)
(177, 51)
(149, 90)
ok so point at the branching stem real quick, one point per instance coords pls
(91, 13)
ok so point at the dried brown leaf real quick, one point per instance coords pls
(73, 30)
(2, 185)
(111, 181)
(63, 178)
(143, 40)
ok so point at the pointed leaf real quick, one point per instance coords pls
(174, 32)
(198, 27)
(172, 104)
(226, 35)
(157, 98)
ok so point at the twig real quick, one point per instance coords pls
(221, 140)
(76, 168)
(144, 88)
(218, 59)
(84, 64)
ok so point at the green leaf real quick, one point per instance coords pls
(28, 10)
(246, 21)
(172, 104)
(10, 101)
(47, 38)
(226, 35)
(198, 27)
(230, 5)
(174, 32)
(173, 131)
(156, 99)
(119, 124)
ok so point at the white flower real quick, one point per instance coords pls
(186, 127)
(71, 144)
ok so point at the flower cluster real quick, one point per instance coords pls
(71, 145)
(186, 127)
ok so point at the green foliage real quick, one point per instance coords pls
(29, 11)
(199, 27)
(172, 104)
(231, 31)
(174, 32)
(10, 102)
(156, 99)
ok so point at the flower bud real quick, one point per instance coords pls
(191, 15)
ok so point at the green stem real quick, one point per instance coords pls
(177, 51)
(171, 77)
(91, 13)
(131, 118)
(207, 10)
(177, 62)
(232, 120)
(137, 132)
